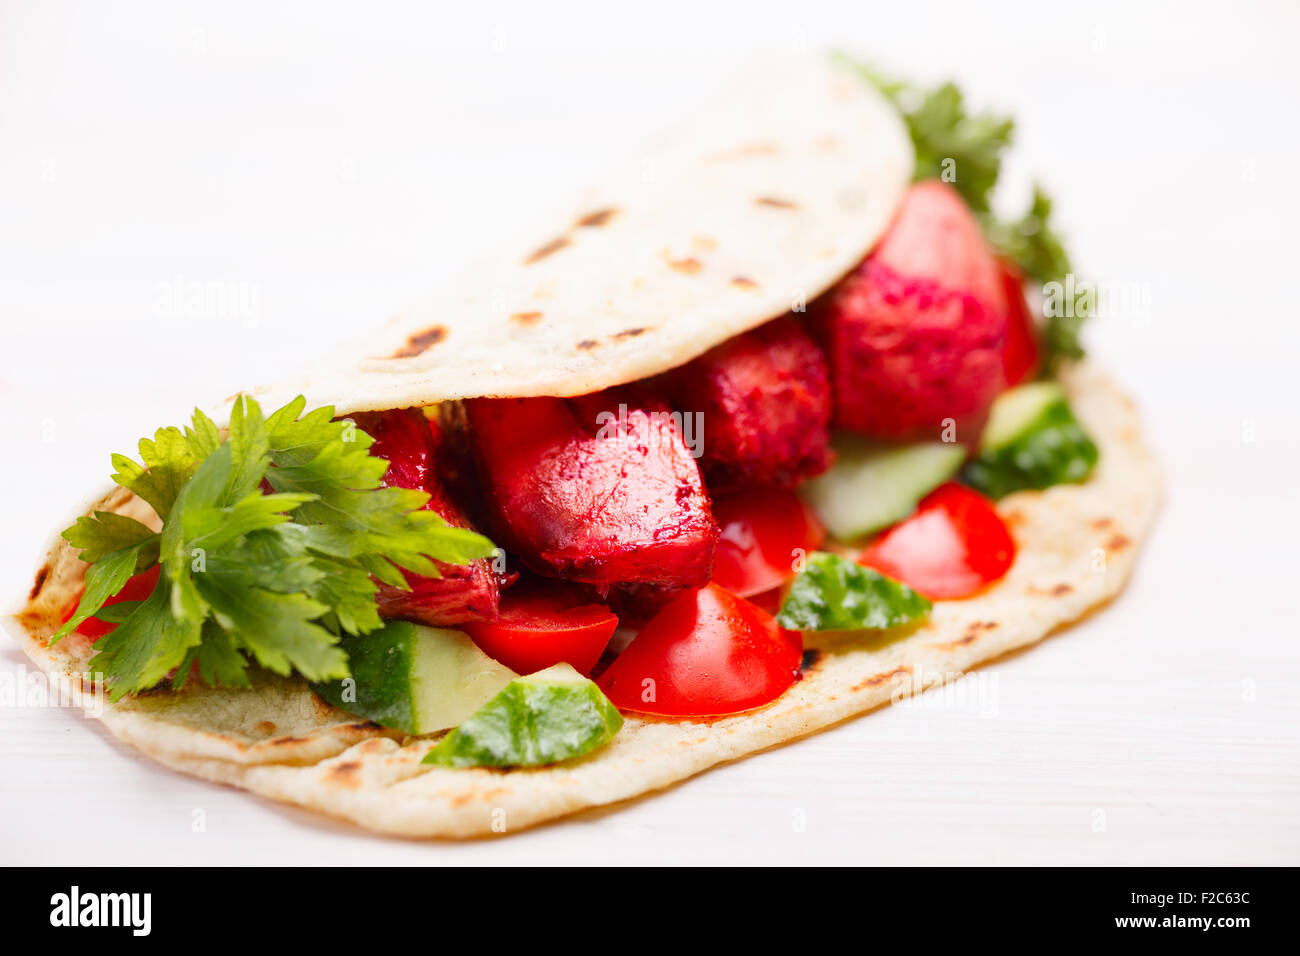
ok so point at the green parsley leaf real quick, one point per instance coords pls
(246, 574)
(951, 144)
(833, 593)
(104, 578)
(105, 532)
(351, 516)
(1035, 247)
(144, 648)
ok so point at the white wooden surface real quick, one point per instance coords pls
(329, 165)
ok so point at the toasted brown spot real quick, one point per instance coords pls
(880, 678)
(346, 774)
(42, 576)
(965, 639)
(743, 282)
(285, 741)
(555, 245)
(588, 344)
(630, 333)
(774, 203)
(421, 341)
(462, 799)
(1061, 590)
(597, 218)
(526, 318)
(704, 243)
(1117, 542)
(266, 727)
(1101, 524)
(688, 266)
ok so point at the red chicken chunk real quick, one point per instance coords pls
(599, 489)
(765, 402)
(411, 444)
(915, 335)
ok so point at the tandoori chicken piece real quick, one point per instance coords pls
(412, 444)
(599, 489)
(764, 401)
(915, 335)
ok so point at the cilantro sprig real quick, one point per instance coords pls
(1033, 245)
(965, 150)
(248, 574)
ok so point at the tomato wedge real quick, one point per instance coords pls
(1020, 355)
(137, 588)
(545, 625)
(763, 532)
(953, 546)
(707, 653)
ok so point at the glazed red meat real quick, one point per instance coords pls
(599, 489)
(765, 402)
(915, 335)
(411, 445)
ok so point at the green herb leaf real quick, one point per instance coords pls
(105, 532)
(104, 578)
(951, 144)
(832, 593)
(1038, 251)
(246, 574)
(144, 648)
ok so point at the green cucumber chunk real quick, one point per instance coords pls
(1032, 441)
(833, 593)
(415, 678)
(553, 715)
(872, 486)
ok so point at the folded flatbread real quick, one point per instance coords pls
(775, 195)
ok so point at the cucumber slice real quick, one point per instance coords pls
(553, 715)
(873, 486)
(1032, 441)
(1015, 412)
(415, 678)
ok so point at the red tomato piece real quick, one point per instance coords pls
(1020, 354)
(137, 588)
(541, 626)
(707, 653)
(953, 546)
(763, 532)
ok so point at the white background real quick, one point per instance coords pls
(335, 162)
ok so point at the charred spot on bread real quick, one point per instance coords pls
(555, 245)
(419, 342)
(598, 218)
(774, 202)
(526, 318)
(42, 576)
